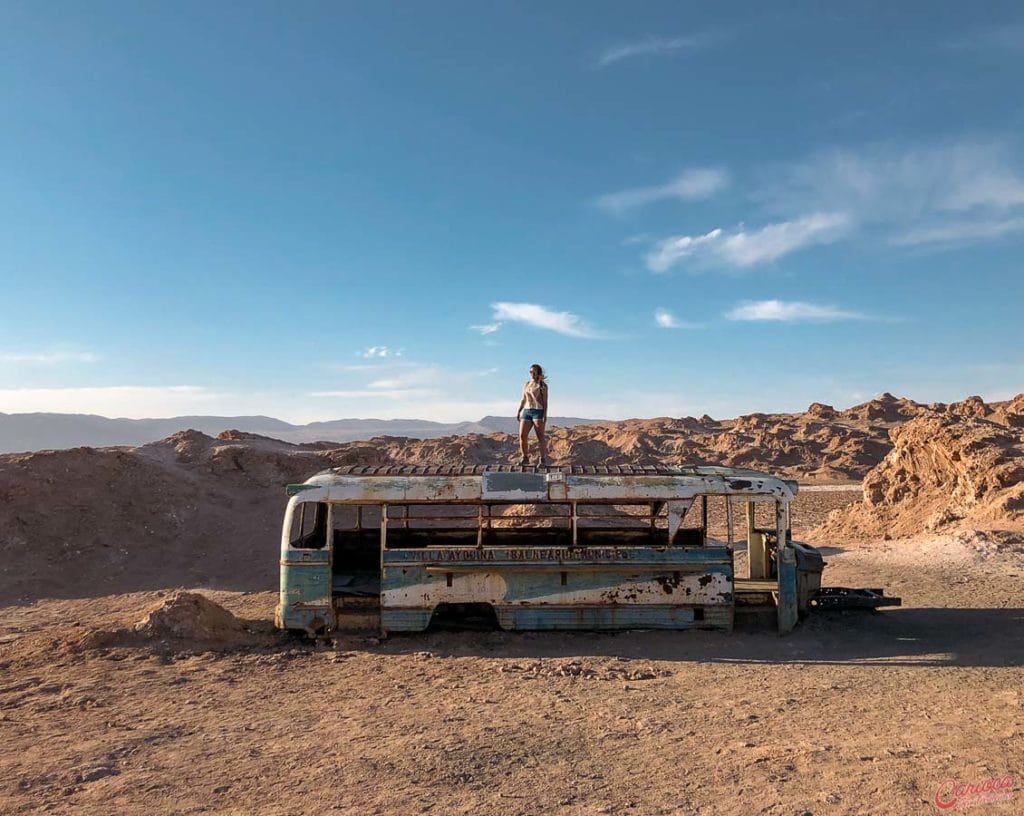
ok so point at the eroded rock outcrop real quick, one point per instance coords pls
(950, 470)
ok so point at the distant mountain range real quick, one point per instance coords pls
(32, 432)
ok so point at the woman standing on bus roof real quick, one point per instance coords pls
(533, 412)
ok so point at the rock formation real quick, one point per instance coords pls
(963, 468)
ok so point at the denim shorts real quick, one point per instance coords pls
(532, 414)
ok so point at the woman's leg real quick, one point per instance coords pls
(541, 441)
(524, 437)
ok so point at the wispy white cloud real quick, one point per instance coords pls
(790, 311)
(386, 365)
(414, 380)
(638, 238)
(375, 393)
(1009, 37)
(941, 194)
(664, 319)
(486, 328)
(694, 184)
(659, 46)
(541, 317)
(416, 377)
(112, 401)
(960, 232)
(380, 352)
(431, 375)
(901, 189)
(741, 248)
(51, 357)
(670, 251)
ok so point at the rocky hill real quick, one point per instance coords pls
(820, 444)
(963, 467)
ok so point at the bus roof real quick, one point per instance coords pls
(578, 470)
(447, 483)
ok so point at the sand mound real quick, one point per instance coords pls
(190, 616)
(946, 471)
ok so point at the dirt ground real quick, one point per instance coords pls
(852, 713)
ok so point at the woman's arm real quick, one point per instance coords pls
(522, 402)
(545, 392)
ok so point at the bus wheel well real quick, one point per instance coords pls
(475, 616)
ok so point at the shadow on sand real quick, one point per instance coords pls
(925, 637)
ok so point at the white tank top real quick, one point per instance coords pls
(534, 393)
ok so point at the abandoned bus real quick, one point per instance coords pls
(580, 547)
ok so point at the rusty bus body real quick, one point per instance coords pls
(575, 547)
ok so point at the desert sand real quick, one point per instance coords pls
(118, 695)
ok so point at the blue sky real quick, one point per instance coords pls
(333, 210)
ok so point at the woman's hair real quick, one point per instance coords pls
(540, 373)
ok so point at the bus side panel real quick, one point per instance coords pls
(305, 601)
(671, 588)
